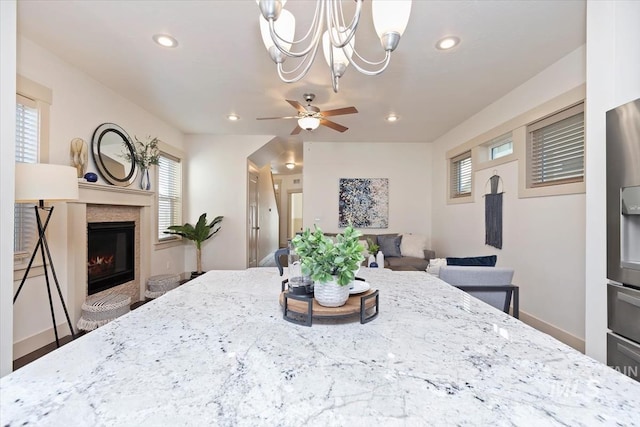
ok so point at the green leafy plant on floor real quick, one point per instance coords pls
(202, 232)
(322, 259)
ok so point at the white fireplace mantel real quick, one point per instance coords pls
(100, 194)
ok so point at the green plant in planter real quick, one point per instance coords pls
(373, 247)
(200, 233)
(322, 259)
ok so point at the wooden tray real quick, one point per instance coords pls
(356, 304)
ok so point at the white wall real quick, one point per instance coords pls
(216, 176)
(543, 238)
(7, 156)
(613, 78)
(405, 164)
(268, 215)
(80, 104)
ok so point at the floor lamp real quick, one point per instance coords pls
(37, 182)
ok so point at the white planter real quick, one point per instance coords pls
(330, 294)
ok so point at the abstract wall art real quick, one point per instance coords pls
(364, 202)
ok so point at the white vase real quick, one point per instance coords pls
(371, 259)
(330, 294)
(380, 259)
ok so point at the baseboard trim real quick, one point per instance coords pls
(559, 334)
(34, 342)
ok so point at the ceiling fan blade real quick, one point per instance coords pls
(297, 106)
(333, 125)
(339, 111)
(296, 131)
(271, 118)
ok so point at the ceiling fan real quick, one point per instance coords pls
(310, 117)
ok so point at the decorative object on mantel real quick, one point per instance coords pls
(100, 310)
(108, 144)
(493, 213)
(331, 265)
(198, 234)
(277, 26)
(363, 202)
(145, 154)
(91, 177)
(79, 155)
(40, 182)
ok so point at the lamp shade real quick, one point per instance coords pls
(339, 55)
(309, 123)
(285, 27)
(390, 16)
(42, 181)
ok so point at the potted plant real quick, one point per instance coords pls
(332, 265)
(200, 233)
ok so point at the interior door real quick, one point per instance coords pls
(254, 227)
(294, 214)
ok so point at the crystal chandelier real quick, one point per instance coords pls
(277, 26)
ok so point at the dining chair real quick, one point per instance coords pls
(491, 285)
(282, 252)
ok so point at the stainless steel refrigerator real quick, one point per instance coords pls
(623, 238)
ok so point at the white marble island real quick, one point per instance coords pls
(216, 351)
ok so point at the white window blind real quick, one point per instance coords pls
(501, 146)
(556, 148)
(27, 137)
(460, 179)
(169, 194)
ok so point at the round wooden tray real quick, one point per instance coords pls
(351, 307)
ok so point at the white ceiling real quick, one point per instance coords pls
(221, 66)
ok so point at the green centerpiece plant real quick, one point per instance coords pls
(202, 232)
(325, 260)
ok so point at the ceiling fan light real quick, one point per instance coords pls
(390, 16)
(285, 27)
(309, 123)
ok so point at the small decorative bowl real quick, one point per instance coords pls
(90, 177)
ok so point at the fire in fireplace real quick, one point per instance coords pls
(111, 259)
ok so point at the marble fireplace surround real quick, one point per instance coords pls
(106, 203)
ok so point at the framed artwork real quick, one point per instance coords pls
(363, 202)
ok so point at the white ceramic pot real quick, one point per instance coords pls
(330, 294)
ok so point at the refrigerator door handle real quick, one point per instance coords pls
(628, 352)
(629, 299)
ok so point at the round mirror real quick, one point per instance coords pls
(113, 154)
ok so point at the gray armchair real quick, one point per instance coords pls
(489, 284)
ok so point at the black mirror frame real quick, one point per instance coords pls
(96, 141)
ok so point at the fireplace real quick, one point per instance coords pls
(111, 254)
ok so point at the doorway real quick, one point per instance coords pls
(294, 213)
(254, 227)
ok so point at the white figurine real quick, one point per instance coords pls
(79, 155)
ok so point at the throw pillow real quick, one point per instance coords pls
(477, 261)
(390, 245)
(413, 245)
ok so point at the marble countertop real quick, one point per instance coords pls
(216, 351)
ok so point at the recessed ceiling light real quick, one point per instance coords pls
(392, 118)
(233, 117)
(290, 165)
(165, 40)
(447, 42)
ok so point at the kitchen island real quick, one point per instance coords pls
(216, 351)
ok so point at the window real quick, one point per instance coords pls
(555, 148)
(27, 144)
(461, 175)
(500, 146)
(169, 194)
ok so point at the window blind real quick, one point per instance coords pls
(461, 175)
(27, 137)
(169, 194)
(556, 148)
